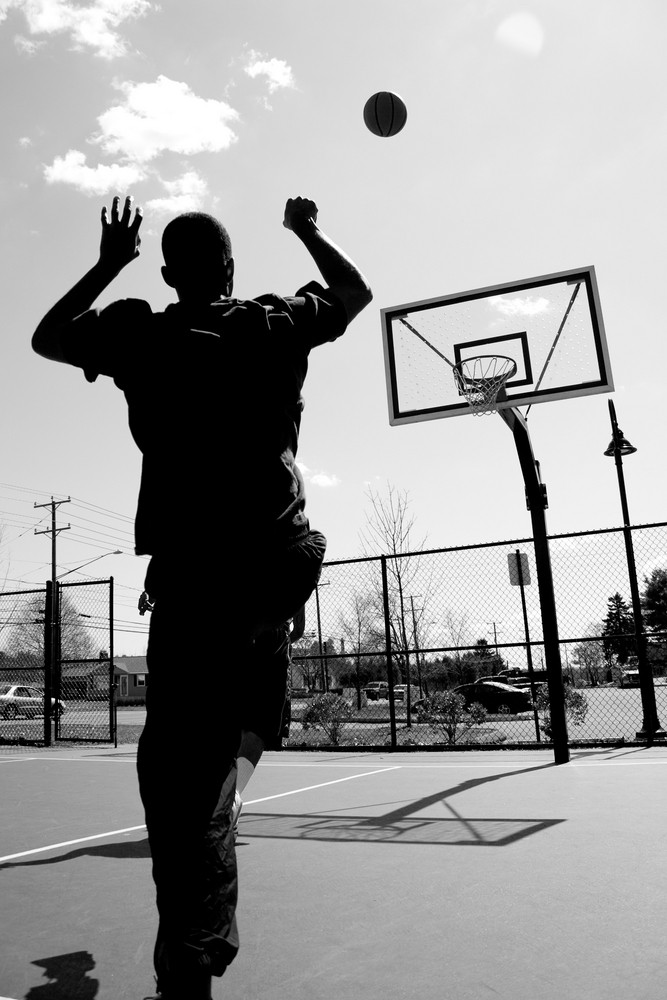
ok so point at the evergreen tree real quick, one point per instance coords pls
(618, 630)
(654, 601)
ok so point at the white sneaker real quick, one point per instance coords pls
(236, 812)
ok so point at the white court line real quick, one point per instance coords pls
(487, 765)
(368, 763)
(322, 784)
(16, 760)
(73, 760)
(70, 843)
(507, 765)
(133, 829)
(522, 765)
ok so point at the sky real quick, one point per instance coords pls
(535, 142)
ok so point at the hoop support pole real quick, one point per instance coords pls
(536, 504)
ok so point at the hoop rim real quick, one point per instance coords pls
(458, 368)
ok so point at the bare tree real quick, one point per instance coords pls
(389, 531)
(458, 635)
(310, 669)
(25, 631)
(359, 625)
(589, 656)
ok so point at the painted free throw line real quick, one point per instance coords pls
(142, 826)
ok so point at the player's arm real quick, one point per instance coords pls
(341, 275)
(118, 246)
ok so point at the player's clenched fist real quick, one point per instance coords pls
(298, 210)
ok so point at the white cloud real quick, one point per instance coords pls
(155, 118)
(165, 116)
(25, 141)
(520, 307)
(186, 194)
(27, 47)
(324, 480)
(321, 479)
(92, 26)
(72, 169)
(522, 32)
(7, 5)
(278, 74)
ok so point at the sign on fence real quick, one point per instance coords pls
(514, 561)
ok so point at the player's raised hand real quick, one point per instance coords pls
(120, 234)
(299, 210)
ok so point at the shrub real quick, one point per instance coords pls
(576, 707)
(328, 712)
(445, 712)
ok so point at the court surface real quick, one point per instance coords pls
(463, 876)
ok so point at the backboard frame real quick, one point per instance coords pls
(584, 276)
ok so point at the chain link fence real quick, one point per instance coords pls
(83, 674)
(56, 671)
(22, 694)
(384, 650)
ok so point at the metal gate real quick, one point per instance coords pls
(83, 675)
(56, 664)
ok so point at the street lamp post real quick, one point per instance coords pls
(651, 729)
(323, 666)
(116, 552)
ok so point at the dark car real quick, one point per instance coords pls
(376, 690)
(496, 697)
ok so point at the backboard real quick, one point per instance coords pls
(551, 326)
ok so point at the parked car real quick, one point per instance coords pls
(497, 697)
(629, 679)
(19, 699)
(376, 690)
(400, 692)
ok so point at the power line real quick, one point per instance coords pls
(85, 503)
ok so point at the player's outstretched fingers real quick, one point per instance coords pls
(127, 210)
(136, 222)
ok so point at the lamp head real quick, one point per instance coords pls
(621, 443)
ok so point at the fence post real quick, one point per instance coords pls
(387, 641)
(48, 661)
(113, 708)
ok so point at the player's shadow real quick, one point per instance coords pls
(67, 977)
(119, 849)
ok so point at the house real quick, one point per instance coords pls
(84, 681)
(130, 676)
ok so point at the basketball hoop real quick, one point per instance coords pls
(480, 380)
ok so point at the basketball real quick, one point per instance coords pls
(385, 114)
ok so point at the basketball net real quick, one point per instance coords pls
(480, 380)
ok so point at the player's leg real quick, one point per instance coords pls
(285, 578)
(187, 775)
(263, 696)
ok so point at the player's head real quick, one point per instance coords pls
(198, 260)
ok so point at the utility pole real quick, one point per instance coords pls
(495, 634)
(416, 643)
(55, 617)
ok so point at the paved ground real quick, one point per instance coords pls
(380, 876)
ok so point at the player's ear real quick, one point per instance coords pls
(229, 270)
(166, 274)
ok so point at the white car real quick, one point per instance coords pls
(19, 699)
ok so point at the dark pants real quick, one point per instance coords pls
(207, 623)
(264, 686)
